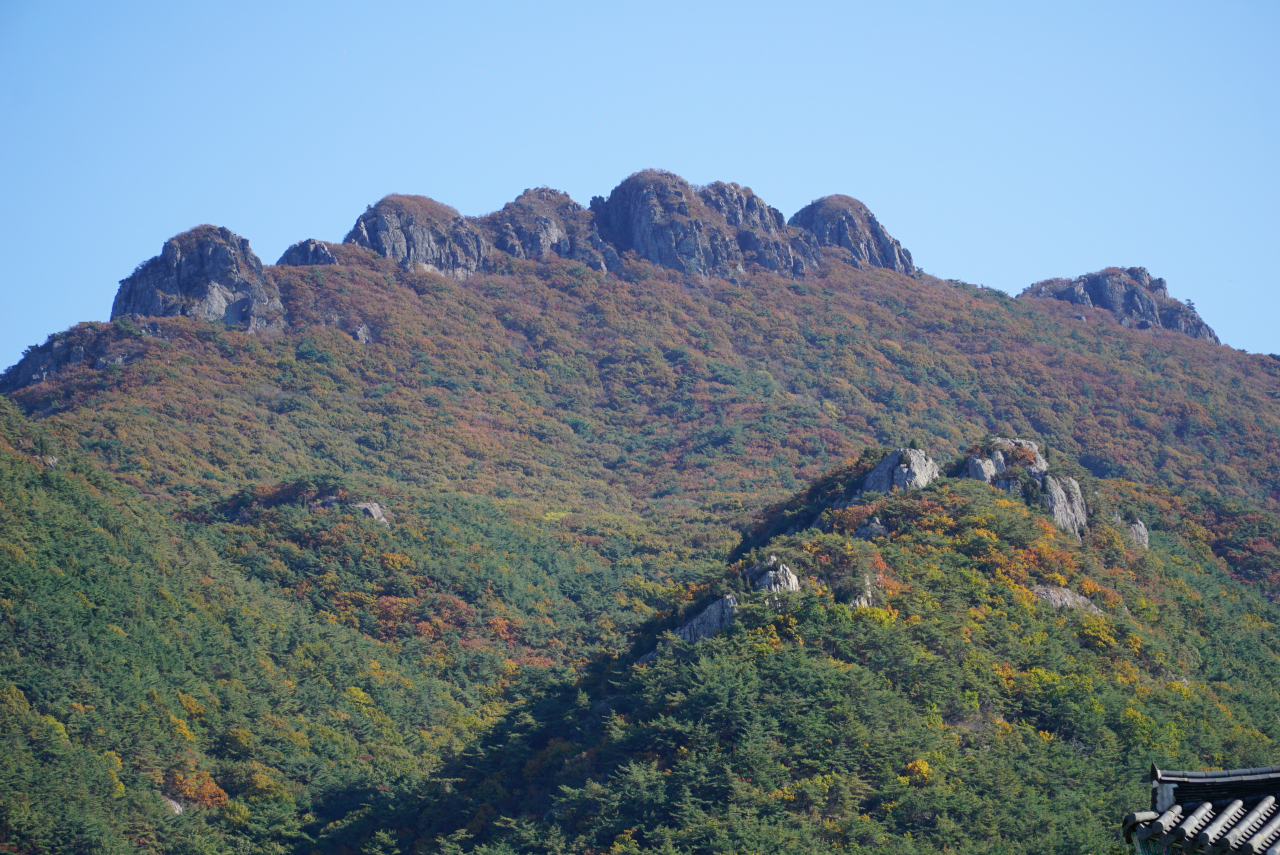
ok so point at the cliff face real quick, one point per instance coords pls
(420, 232)
(207, 272)
(1136, 299)
(722, 229)
(662, 218)
(544, 221)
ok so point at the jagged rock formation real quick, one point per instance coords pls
(308, 253)
(723, 228)
(1063, 499)
(905, 468)
(662, 218)
(544, 221)
(41, 363)
(844, 222)
(420, 232)
(1004, 456)
(710, 620)
(1136, 299)
(1138, 532)
(772, 575)
(207, 272)
(1064, 598)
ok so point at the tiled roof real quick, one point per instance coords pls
(1212, 812)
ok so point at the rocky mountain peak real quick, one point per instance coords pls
(713, 230)
(661, 217)
(418, 231)
(207, 272)
(742, 208)
(846, 223)
(308, 253)
(542, 221)
(1137, 300)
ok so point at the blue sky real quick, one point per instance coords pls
(1002, 143)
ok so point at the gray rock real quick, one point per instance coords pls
(660, 217)
(723, 229)
(1063, 498)
(871, 528)
(418, 232)
(710, 620)
(1064, 598)
(41, 363)
(1131, 294)
(542, 222)
(374, 511)
(207, 272)
(982, 468)
(990, 469)
(905, 468)
(308, 253)
(845, 223)
(1036, 468)
(1138, 532)
(772, 575)
(1012, 486)
(761, 231)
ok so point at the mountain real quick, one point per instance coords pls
(452, 479)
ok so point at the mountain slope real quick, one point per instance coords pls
(399, 516)
(972, 680)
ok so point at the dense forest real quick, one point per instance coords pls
(405, 571)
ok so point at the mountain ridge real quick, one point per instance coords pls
(494, 538)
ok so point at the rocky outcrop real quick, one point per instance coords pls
(421, 233)
(542, 222)
(1065, 503)
(845, 223)
(872, 528)
(710, 620)
(207, 272)
(1139, 534)
(41, 363)
(374, 511)
(1065, 598)
(1136, 299)
(772, 575)
(905, 469)
(761, 231)
(723, 229)
(1005, 455)
(660, 217)
(308, 253)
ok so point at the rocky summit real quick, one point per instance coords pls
(207, 272)
(1136, 299)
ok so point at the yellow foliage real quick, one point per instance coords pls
(194, 708)
(919, 771)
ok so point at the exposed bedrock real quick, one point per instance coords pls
(1137, 300)
(207, 272)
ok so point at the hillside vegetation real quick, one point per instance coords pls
(373, 568)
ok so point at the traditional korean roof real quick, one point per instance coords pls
(1237, 810)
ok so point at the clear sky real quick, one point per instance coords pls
(1002, 143)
